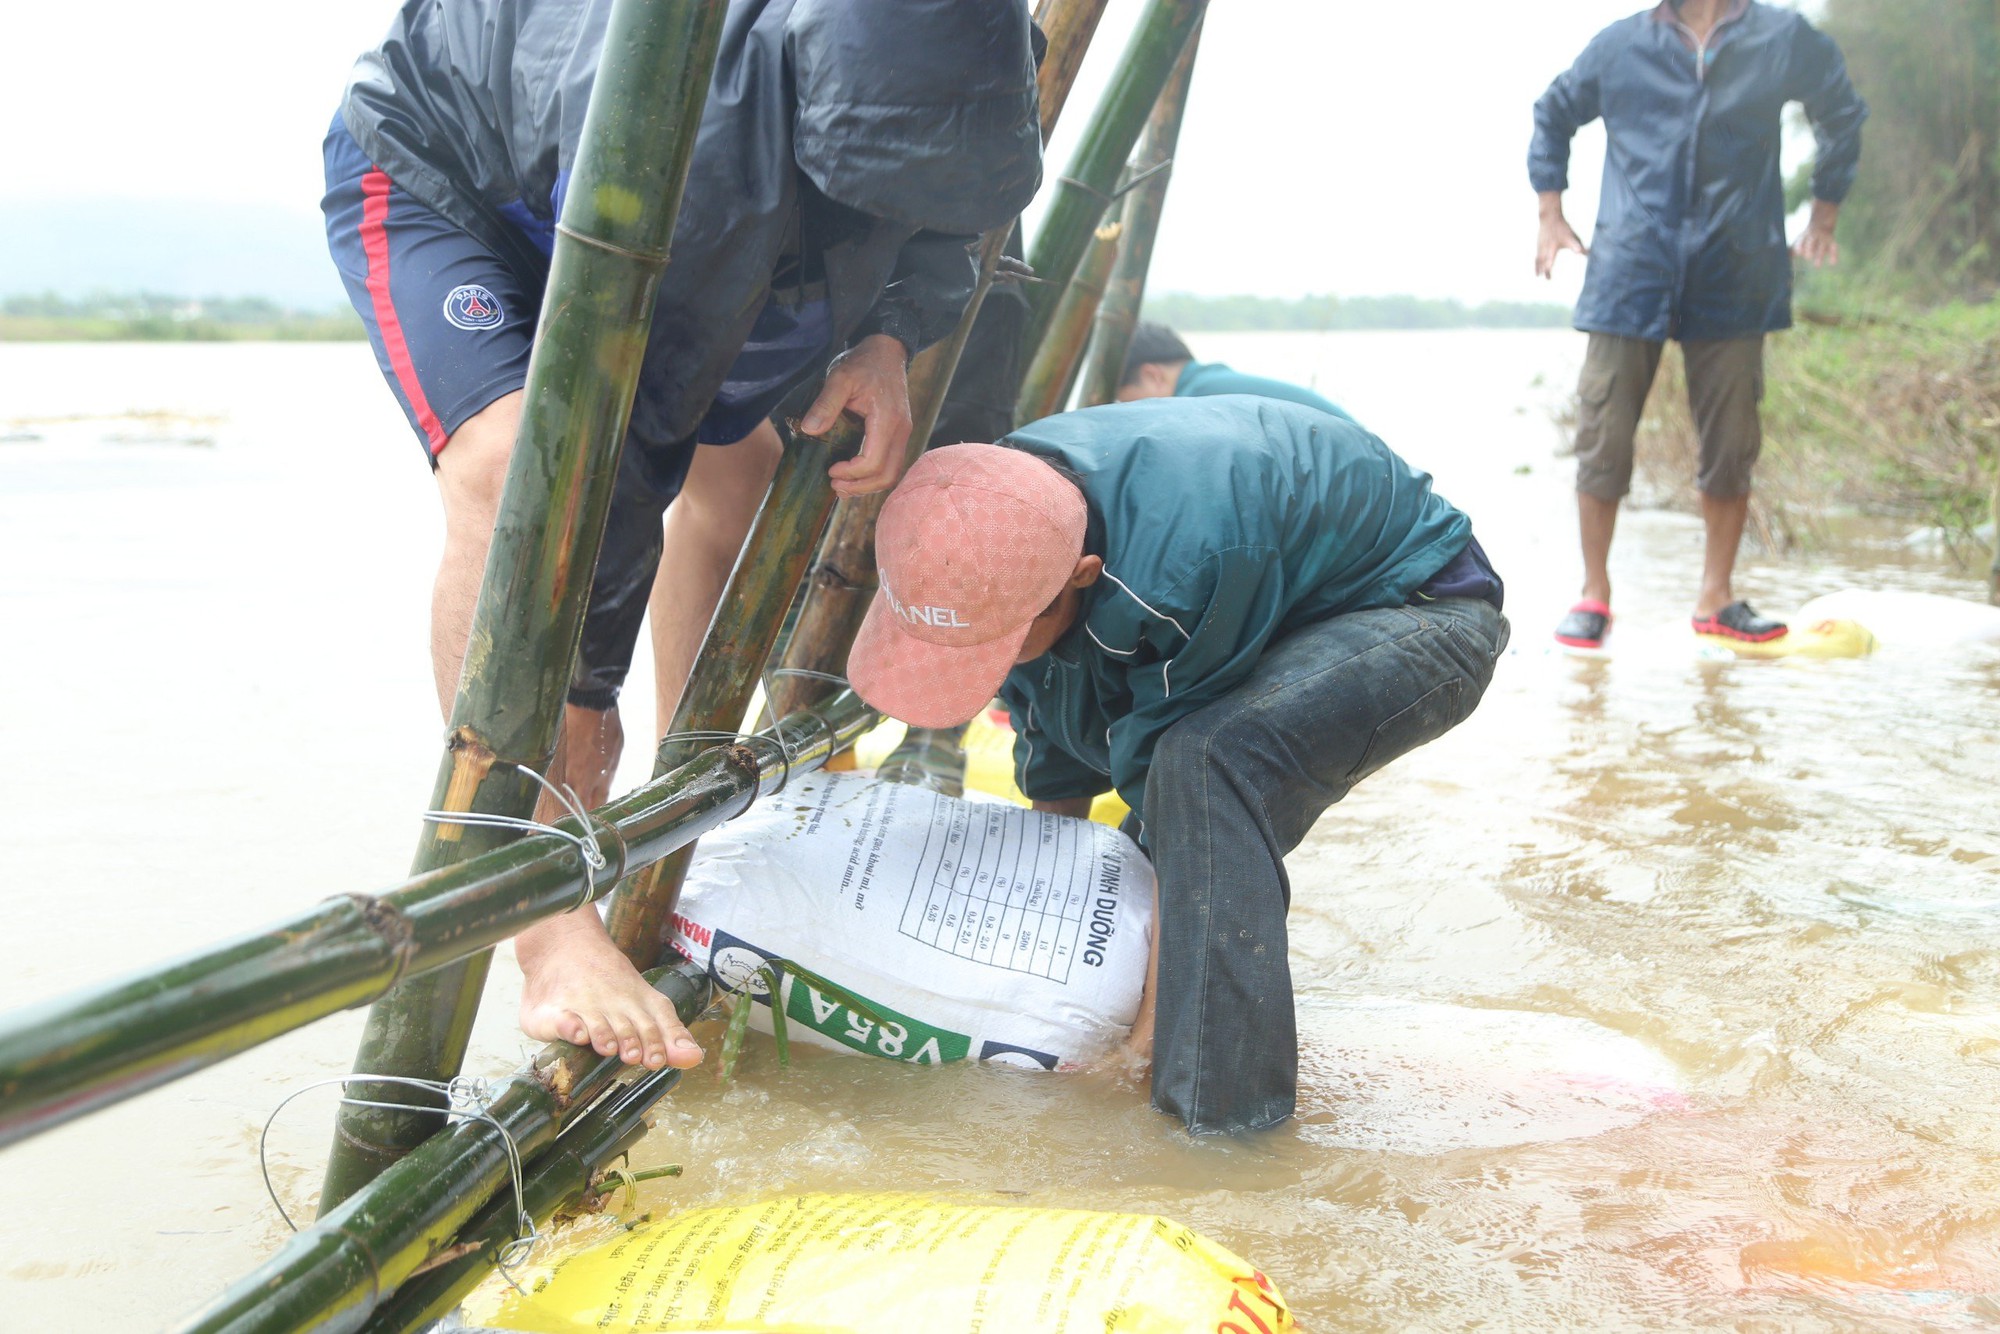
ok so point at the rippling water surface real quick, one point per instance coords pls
(1663, 993)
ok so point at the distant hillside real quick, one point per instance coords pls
(1220, 314)
(182, 248)
(181, 251)
(151, 318)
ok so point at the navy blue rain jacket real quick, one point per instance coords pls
(1690, 236)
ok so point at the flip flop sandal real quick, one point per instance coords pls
(1737, 621)
(1585, 626)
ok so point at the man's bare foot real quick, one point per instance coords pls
(579, 988)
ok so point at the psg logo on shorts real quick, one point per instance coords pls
(473, 307)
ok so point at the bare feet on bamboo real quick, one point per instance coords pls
(577, 987)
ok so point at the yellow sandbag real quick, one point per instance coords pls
(873, 749)
(1820, 639)
(989, 761)
(989, 767)
(861, 1264)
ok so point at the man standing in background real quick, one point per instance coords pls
(1159, 365)
(1690, 245)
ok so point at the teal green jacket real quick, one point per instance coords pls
(1203, 379)
(1225, 524)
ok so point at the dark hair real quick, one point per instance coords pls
(1152, 344)
(1054, 464)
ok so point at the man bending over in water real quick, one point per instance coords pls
(1230, 610)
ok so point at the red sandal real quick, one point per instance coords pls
(1586, 625)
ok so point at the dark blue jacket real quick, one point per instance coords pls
(1690, 236)
(847, 156)
(913, 122)
(1225, 524)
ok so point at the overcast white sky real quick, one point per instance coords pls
(1329, 146)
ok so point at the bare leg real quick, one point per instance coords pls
(471, 469)
(1724, 519)
(578, 986)
(1596, 519)
(706, 526)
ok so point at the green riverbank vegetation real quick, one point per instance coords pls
(1893, 412)
(1886, 396)
(149, 317)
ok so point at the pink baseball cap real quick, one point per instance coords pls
(972, 547)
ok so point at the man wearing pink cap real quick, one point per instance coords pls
(1228, 609)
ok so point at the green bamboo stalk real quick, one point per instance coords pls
(333, 1275)
(65, 1057)
(842, 580)
(1118, 313)
(835, 599)
(1083, 193)
(611, 248)
(1046, 387)
(733, 654)
(565, 1178)
(1068, 25)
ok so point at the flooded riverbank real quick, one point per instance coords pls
(1663, 993)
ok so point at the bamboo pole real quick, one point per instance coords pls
(842, 579)
(1118, 312)
(1083, 193)
(733, 654)
(1068, 25)
(611, 247)
(563, 1179)
(1050, 375)
(72, 1055)
(334, 1275)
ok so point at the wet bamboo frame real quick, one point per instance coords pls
(78, 1053)
(1046, 387)
(336, 1274)
(611, 247)
(1085, 190)
(563, 1178)
(738, 644)
(843, 576)
(1152, 167)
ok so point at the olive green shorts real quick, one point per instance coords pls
(1725, 380)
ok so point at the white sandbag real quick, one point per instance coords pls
(979, 931)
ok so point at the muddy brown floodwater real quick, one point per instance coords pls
(1662, 994)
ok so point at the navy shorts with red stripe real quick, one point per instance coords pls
(451, 323)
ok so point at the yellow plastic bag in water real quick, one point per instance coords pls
(862, 1264)
(1815, 639)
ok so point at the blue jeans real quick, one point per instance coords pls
(1236, 786)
